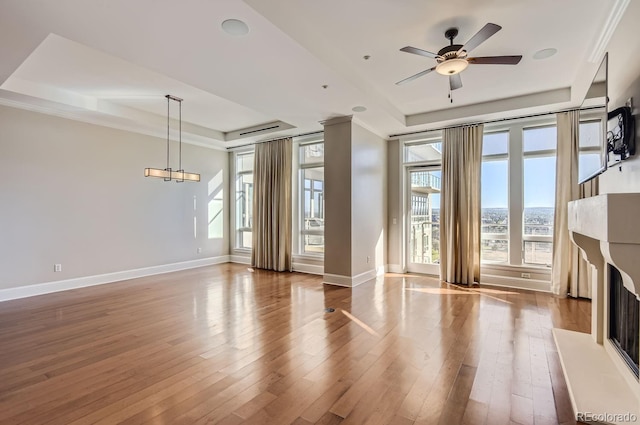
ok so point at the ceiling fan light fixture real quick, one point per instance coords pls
(452, 66)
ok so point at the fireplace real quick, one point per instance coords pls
(601, 368)
(624, 320)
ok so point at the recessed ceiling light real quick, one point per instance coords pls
(235, 27)
(545, 53)
(358, 109)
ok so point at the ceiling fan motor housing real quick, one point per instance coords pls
(449, 52)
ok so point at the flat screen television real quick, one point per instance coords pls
(592, 152)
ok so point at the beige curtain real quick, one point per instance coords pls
(460, 205)
(565, 257)
(581, 281)
(272, 205)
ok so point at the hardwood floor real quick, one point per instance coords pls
(225, 345)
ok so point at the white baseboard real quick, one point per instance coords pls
(351, 281)
(82, 282)
(337, 280)
(395, 268)
(297, 266)
(240, 259)
(515, 282)
(308, 268)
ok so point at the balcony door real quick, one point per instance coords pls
(423, 226)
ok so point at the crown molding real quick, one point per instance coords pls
(610, 25)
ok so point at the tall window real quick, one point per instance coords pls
(311, 184)
(539, 189)
(590, 140)
(495, 198)
(423, 161)
(518, 194)
(244, 200)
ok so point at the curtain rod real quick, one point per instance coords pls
(277, 138)
(541, 114)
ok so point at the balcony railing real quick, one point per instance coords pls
(425, 179)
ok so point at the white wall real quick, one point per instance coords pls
(368, 201)
(355, 203)
(623, 83)
(394, 206)
(337, 196)
(74, 193)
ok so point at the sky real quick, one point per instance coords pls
(539, 183)
(539, 172)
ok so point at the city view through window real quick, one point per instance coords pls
(538, 164)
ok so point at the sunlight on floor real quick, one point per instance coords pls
(360, 323)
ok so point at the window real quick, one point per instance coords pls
(244, 200)
(518, 194)
(311, 194)
(423, 161)
(495, 198)
(539, 190)
(424, 151)
(589, 156)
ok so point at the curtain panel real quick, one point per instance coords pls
(565, 258)
(272, 219)
(460, 205)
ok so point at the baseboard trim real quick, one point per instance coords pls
(395, 268)
(337, 280)
(82, 282)
(240, 259)
(351, 281)
(515, 282)
(308, 268)
(297, 266)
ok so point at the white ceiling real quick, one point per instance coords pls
(111, 62)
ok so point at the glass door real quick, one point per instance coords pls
(423, 225)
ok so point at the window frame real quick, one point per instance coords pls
(298, 190)
(429, 138)
(543, 153)
(499, 236)
(515, 166)
(237, 174)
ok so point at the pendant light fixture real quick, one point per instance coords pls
(168, 174)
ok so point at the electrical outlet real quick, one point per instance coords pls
(395, 220)
(199, 250)
(525, 275)
(368, 258)
(57, 267)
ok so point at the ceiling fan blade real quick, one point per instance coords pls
(413, 77)
(480, 37)
(455, 81)
(420, 52)
(495, 60)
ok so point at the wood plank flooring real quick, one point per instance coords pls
(223, 344)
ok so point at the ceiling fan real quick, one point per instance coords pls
(452, 59)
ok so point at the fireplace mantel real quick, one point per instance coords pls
(606, 230)
(611, 221)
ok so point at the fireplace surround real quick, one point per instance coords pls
(597, 369)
